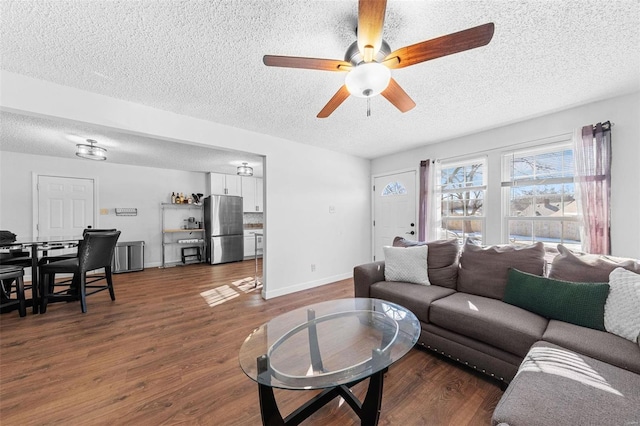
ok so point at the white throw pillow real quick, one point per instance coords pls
(622, 309)
(408, 264)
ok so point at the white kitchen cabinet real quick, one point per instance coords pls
(250, 243)
(252, 194)
(259, 195)
(221, 184)
(234, 185)
(217, 184)
(249, 248)
(248, 195)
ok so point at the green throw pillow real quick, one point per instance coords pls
(577, 303)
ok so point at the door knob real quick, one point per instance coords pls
(410, 233)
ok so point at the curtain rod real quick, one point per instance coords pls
(607, 125)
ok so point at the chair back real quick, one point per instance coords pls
(94, 230)
(96, 250)
(16, 257)
(89, 231)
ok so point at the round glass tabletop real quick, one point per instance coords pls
(329, 344)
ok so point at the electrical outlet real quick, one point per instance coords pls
(332, 209)
(104, 211)
(313, 267)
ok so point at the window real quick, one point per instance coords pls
(394, 188)
(461, 187)
(539, 196)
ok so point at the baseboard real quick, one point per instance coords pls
(305, 286)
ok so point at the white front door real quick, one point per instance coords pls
(394, 210)
(65, 206)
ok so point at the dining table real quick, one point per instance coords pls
(39, 247)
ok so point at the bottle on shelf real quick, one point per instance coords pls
(173, 198)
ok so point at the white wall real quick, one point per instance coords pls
(299, 230)
(117, 186)
(623, 111)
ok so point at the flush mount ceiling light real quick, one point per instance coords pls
(91, 151)
(245, 170)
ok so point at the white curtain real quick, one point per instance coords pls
(428, 202)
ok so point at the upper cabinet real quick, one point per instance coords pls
(221, 184)
(259, 195)
(252, 194)
(248, 194)
(234, 185)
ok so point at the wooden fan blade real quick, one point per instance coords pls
(370, 21)
(334, 102)
(306, 63)
(442, 46)
(398, 97)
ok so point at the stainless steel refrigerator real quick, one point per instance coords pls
(224, 232)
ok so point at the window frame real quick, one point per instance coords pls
(439, 192)
(508, 182)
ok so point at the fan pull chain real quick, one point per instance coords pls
(367, 93)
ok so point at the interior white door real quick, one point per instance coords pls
(65, 206)
(394, 210)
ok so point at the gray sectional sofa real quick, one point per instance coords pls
(555, 372)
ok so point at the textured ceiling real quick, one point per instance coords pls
(58, 138)
(204, 59)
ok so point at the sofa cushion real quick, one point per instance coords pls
(442, 259)
(622, 310)
(600, 345)
(591, 268)
(555, 386)
(406, 264)
(416, 298)
(577, 303)
(483, 270)
(504, 326)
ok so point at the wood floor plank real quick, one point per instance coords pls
(166, 352)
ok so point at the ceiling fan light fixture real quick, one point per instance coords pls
(368, 79)
(245, 170)
(91, 151)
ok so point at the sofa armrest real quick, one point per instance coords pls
(365, 275)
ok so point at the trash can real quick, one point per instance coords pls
(128, 257)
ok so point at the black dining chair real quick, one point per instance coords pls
(9, 274)
(95, 251)
(17, 258)
(48, 259)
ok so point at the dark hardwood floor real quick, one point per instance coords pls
(166, 352)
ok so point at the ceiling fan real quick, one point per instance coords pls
(368, 60)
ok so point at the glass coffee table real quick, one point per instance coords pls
(331, 345)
